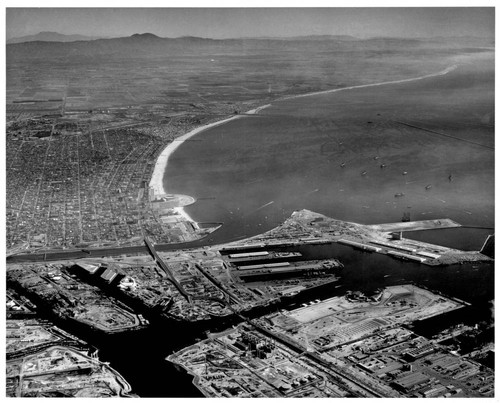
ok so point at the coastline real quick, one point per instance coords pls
(405, 80)
(156, 182)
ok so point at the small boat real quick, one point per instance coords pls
(382, 165)
(363, 173)
(405, 173)
(376, 157)
(428, 187)
(400, 194)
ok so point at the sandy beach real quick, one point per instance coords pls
(405, 80)
(156, 182)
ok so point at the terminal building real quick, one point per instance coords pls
(85, 268)
(109, 275)
(407, 256)
(359, 245)
(278, 270)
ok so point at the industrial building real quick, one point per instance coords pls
(280, 269)
(406, 256)
(85, 268)
(109, 275)
(419, 352)
(428, 254)
(236, 248)
(411, 382)
(360, 245)
(395, 246)
(247, 255)
(265, 266)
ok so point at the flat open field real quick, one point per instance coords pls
(426, 304)
(191, 76)
(340, 319)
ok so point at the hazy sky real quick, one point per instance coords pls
(244, 22)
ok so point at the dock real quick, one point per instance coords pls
(415, 225)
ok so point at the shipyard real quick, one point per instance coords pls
(298, 354)
(194, 285)
(283, 354)
(202, 284)
(45, 361)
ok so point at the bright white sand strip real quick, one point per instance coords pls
(156, 183)
(406, 80)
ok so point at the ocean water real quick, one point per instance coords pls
(348, 154)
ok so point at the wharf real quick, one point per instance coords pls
(415, 225)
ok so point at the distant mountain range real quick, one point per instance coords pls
(52, 44)
(48, 36)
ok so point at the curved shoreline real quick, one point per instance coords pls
(156, 182)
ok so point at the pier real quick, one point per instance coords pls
(415, 225)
